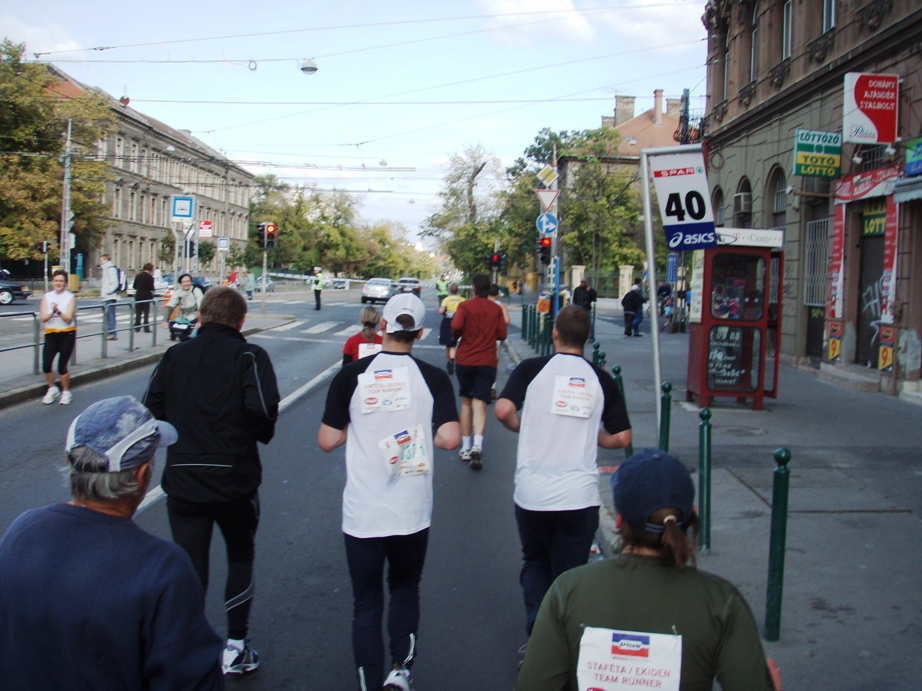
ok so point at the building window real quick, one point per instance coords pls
(754, 45)
(725, 60)
(133, 165)
(117, 202)
(786, 31)
(816, 263)
(779, 209)
(132, 200)
(102, 149)
(719, 211)
(143, 215)
(119, 151)
(829, 15)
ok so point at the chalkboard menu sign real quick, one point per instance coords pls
(726, 362)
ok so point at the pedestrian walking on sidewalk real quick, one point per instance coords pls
(220, 393)
(367, 341)
(58, 312)
(569, 408)
(88, 600)
(249, 285)
(478, 325)
(447, 308)
(632, 303)
(109, 293)
(143, 297)
(650, 603)
(391, 411)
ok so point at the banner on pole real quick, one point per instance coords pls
(684, 200)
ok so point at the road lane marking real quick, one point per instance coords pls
(320, 328)
(289, 325)
(157, 492)
(348, 331)
(426, 332)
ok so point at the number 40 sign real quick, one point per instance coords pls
(682, 192)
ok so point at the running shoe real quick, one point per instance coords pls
(476, 454)
(52, 393)
(236, 661)
(465, 455)
(398, 680)
(66, 398)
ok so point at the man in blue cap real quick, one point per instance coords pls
(88, 600)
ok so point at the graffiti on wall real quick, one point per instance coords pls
(872, 307)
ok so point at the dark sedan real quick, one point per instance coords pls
(11, 290)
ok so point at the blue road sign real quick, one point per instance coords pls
(671, 263)
(547, 223)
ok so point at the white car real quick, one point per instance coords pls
(378, 290)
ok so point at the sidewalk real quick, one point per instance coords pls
(852, 604)
(18, 383)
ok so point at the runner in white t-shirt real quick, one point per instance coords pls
(391, 411)
(569, 408)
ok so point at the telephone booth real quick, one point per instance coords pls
(734, 324)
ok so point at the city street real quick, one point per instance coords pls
(851, 607)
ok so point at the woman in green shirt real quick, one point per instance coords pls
(647, 618)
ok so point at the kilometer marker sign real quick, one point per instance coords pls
(684, 201)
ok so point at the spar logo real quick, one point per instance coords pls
(578, 382)
(383, 374)
(371, 400)
(403, 438)
(630, 644)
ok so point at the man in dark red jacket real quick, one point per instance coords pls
(221, 395)
(478, 324)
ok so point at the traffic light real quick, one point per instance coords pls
(502, 262)
(261, 235)
(44, 246)
(190, 248)
(493, 261)
(271, 229)
(544, 250)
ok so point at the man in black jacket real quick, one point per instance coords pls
(221, 395)
(143, 296)
(632, 303)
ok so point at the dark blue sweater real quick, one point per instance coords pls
(91, 601)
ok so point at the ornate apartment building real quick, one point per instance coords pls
(149, 162)
(852, 254)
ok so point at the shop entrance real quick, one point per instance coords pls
(869, 300)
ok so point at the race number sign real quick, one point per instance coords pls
(682, 192)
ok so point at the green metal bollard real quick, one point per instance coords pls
(777, 545)
(616, 370)
(665, 417)
(704, 477)
(548, 337)
(602, 359)
(524, 322)
(595, 353)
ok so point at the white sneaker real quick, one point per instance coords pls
(66, 398)
(236, 661)
(465, 454)
(398, 680)
(50, 395)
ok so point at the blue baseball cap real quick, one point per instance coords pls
(121, 430)
(648, 481)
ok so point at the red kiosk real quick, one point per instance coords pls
(734, 317)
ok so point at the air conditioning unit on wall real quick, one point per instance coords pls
(742, 203)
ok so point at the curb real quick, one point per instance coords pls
(607, 535)
(32, 391)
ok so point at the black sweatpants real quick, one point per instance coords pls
(192, 525)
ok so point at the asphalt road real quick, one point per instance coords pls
(472, 616)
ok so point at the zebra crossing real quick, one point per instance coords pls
(323, 332)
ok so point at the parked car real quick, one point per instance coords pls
(378, 289)
(11, 290)
(408, 284)
(162, 285)
(270, 285)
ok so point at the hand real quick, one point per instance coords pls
(164, 325)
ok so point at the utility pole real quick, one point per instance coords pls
(67, 218)
(556, 248)
(263, 278)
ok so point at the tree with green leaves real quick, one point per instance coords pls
(34, 118)
(206, 252)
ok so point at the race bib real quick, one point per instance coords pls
(384, 390)
(611, 660)
(366, 349)
(405, 453)
(573, 396)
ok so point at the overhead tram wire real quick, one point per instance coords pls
(353, 26)
(472, 80)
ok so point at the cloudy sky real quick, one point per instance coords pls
(400, 86)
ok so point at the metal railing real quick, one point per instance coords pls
(128, 327)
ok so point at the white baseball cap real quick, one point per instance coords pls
(405, 303)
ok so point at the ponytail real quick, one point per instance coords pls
(369, 317)
(676, 542)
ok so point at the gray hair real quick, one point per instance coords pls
(99, 485)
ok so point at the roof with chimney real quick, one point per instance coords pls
(652, 128)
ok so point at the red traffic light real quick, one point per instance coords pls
(270, 228)
(545, 242)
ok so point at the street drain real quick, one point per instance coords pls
(741, 431)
